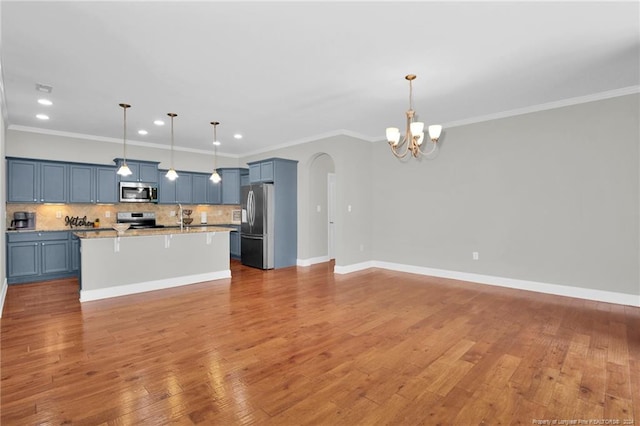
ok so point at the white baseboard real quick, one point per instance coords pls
(353, 268)
(3, 294)
(124, 290)
(312, 261)
(556, 289)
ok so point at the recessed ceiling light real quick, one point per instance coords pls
(42, 117)
(159, 123)
(237, 136)
(46, 102)
(143, 132)
(216, 143)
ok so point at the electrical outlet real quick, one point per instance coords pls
(349, 208)
(58, 214)
(107, 214)
(172, 213)
(318, 208)
(475, 255)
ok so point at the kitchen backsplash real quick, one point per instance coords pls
(52, 216)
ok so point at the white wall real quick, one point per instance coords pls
(3, 186)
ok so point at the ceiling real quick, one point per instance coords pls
(287, 72)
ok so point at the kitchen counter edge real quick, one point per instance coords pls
(110, 233)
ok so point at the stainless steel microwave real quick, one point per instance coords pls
(138, 192)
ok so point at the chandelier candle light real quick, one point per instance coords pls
(124, 170)
(215, 177)
(414, 136)
(171, 174)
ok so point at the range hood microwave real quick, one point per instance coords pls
(138, 192)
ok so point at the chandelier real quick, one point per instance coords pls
(414, 135)
(215, 177)
(124, 170)
(171, 174)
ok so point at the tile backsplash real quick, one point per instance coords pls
(52, 216)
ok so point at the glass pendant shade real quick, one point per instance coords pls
(393, 135)
(124, 170)
(171, 174)
(215, 177)
(434, 131)
(417, 128)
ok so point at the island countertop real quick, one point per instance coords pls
(111, 233)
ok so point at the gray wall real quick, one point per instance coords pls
(551, 197)
(64, 148)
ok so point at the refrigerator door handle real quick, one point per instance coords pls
(251, 206)
(251, 237)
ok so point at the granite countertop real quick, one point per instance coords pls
(229, 227)
(168, 230)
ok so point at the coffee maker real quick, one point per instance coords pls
(23, 220)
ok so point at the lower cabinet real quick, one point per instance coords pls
(234, 242)
(41, 256)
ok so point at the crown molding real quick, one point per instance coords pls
(112, 140)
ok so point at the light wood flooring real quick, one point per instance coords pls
(304, 346)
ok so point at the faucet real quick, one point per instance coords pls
(181, 217)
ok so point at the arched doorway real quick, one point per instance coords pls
(321, 220)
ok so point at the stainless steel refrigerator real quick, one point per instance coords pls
(256, 240)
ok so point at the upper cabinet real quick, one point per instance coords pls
(92, 184)
(261, 171)
(231, 184)
(141, 171)
(32, 181)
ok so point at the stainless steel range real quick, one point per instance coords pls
(138, 220)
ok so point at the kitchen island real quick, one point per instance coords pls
(142, 260)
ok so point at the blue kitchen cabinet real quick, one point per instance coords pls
(53, 182)
(214, 192)
(262, 171)
(234, 242)
(166, 189)
(106, 185)
(92, 184)
(33, 181)
(74, 253)
(141, 171)
(230, 185)
(81, 183)
(38, 256)
(184, 185)
(23, 181)
(199, 187)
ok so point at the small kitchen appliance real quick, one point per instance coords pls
(23, 220)
(138, 192)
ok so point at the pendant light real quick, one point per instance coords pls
(171, 174)
(124, 170)
(215, 177)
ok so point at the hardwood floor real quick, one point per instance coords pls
(302, 346)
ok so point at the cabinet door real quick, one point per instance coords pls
(230, 186)
(254, 173)
(183, 188)
(81, 184)
(214, 190)
(106, 185)
(23, 259)
(234, 244)
(74, 254)
(166, 190)
(266, 171)
(53, 183)
(23, 181)
(55, 256)
(199, 186)
(148, 173)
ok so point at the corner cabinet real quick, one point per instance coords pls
(283, 174)
(40, 256)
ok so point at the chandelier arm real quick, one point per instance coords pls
(433, 149)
